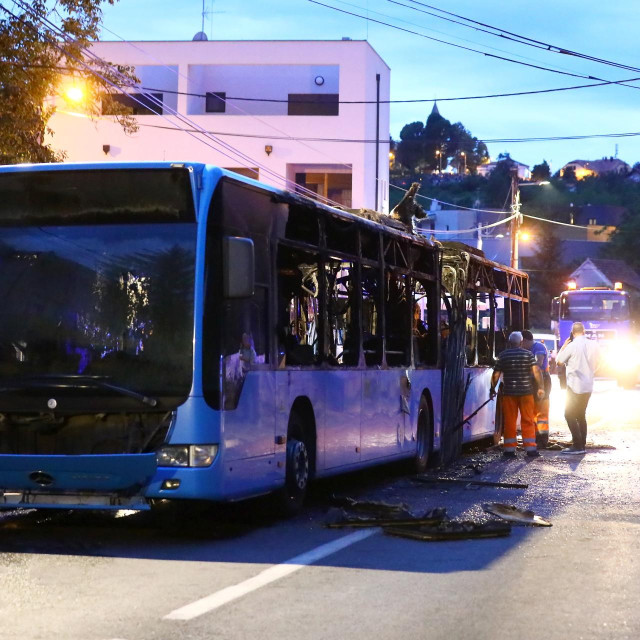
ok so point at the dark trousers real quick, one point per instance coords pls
(575, 411)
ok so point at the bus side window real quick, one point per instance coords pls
(471, 328)
(485, 342)
(425, 330)
(397, 313)
(500, 327)
(342, 313)
(371, 335)
(298, 330)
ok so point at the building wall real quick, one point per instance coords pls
(271, 69)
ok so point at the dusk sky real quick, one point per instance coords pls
(422, 68)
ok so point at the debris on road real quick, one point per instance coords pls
(514, 514)
(480, 483)
(452, 530)
(368, 506)
(338, 518)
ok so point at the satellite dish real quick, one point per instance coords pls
(200, 36)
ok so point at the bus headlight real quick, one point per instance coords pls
(202, 455)
(195, 455)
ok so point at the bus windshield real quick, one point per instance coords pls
(594, 305)
(110, 299)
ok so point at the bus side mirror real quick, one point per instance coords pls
(238, 267)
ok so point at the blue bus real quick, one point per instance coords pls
(607, 317)
(178, 331)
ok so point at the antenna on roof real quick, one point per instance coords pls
(206, 13)
(616, 151)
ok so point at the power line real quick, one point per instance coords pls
(257, 136)
(459, 46)
(510, 35)
(404, 101)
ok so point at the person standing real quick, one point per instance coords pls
(541, 406)
(519, 370)
(581, 357)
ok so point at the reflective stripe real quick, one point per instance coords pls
(530, 448)
(510, 440)
(528, 440)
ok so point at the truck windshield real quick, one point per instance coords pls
(594, 305)
(98, 287)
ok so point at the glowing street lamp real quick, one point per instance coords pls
(464, 157)
(74, 94)
(439, 156)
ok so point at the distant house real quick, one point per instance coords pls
(523, 169)
(598, 272)
(600, 214)
(586, 168)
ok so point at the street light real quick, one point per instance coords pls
(464, 157)
(516, 219)
(439, 156)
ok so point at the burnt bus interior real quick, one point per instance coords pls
(497, 302)
(332, 291)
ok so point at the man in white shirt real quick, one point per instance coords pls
(580, 357)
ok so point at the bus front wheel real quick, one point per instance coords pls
(423, 438)
(297, 473)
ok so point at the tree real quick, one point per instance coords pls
(623, 244)
(548, 275)
(434, 145)
(410, 149)
(496, 190)
(460, 141)
(541, 171)
(37, 61)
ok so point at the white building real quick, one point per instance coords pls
(295, 135)
(523, 169)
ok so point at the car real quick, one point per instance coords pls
(551, 342)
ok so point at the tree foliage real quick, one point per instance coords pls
(437, 144)
(37, 62)
(541, 171)
(548, 275)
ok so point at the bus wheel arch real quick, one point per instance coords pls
(424, 456)
(300, 455)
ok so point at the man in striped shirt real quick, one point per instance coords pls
(521, 375)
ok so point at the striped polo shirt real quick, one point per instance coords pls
(515, 365)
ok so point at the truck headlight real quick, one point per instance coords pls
(195, 455)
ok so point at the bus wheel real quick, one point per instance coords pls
(423, 444)
(297, 472)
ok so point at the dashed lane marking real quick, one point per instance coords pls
(228, 594)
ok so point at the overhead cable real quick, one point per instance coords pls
(459, 46)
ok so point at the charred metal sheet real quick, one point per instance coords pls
(338, 518)
(452, 530)
(479, 483)
(514, 514)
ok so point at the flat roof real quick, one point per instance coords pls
(205, 42)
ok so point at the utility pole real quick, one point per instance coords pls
(516, 219)
(377, 146)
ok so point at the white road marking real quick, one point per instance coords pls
(222, 597)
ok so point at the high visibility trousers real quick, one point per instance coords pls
(510, 407)
(541, 410)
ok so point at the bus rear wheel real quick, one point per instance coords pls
(423, 437)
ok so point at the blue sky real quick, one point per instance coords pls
(422, 68)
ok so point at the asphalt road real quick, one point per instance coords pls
(238, 573)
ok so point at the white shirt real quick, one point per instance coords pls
(581, 358)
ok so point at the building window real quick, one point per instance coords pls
(593, 221)
(216, 102)
(247, 172)
(334, 186)
(313, 104)
(140, 104)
